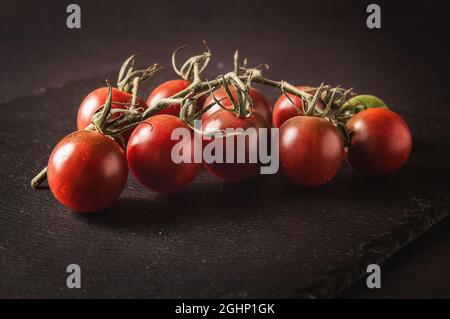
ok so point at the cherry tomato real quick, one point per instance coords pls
(260, 104)
(165, 90)
(220, 121)
(94, 100)
(380, 142)
(311, 150)
(87, 171)
(149, 155)
(283, 109)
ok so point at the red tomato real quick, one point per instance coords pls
(283, 109)
(221, 120)
(149, 155)
(380, 142)
(311, 150)
(94, 100)
(260, 104)
(165, 90)
(87, 171)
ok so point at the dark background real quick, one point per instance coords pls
(405, 63)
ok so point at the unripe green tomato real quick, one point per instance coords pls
(361, 102)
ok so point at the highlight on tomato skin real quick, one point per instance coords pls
(95, 99)
(288, 105)
(259, 101)
(311, 150)
(381, 142)
(149, 155)
(87, 171)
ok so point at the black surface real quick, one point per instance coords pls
(263, 239)
(419, 270)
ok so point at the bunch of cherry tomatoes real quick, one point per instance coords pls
(319, 128)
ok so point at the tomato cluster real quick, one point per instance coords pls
(118, 131)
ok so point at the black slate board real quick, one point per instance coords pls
(263, 238)
(280, 242)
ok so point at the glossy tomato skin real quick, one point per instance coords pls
(149, 155)
(380, 142)
(87, 171)
(94, 100)
(165, 90)
(311, 150)
(233, 172)
(260, 103)
(283, 109)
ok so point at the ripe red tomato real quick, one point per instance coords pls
(380, 142)
(149, 155)
(87, 171)
(260, 103)
(94, 100)
(311, 150)
(283, 109)
(221, 120)
(165, 90)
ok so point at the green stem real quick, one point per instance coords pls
(236, 62)
(281, 85)
(100, 124)
(312, 106)
(135, 88)
(39, 178)
(198, 85)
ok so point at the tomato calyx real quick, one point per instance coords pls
(100, 117)
(338, 96)
(187, 110)
(328, 112)
(242, 104)
(103, 120)
(186, 71)
(129, 79)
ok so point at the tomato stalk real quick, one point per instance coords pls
(39, 178)
(187, 109)
(331, 100)
(131, 119)
(313, 103)
(100, 121)
(236, 62)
